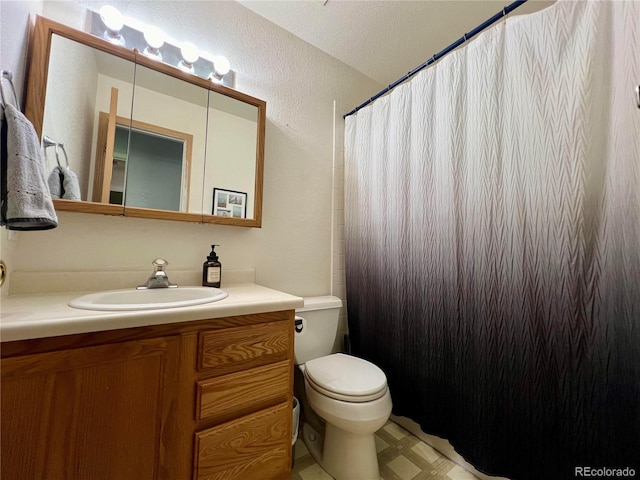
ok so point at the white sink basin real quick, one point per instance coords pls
(149, 299)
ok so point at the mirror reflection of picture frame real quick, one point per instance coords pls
(229, 203)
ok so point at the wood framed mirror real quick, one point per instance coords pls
(144, 138)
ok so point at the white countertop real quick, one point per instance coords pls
(36, 316)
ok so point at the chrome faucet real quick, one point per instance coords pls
(158, 278)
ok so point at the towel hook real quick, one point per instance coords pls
(48, 142)
(638, 95)
(57, 157)
(7, 75)
(66, 158)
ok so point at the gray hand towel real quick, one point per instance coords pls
(63, 183)
(28, 204)
(70, 185)
(55, 182)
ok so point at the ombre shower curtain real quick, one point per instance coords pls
(492, 228)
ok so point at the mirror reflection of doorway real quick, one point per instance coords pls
(151, 166)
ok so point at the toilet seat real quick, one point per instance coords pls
(345, 398)
(346, 378)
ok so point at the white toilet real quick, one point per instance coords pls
(350, 394)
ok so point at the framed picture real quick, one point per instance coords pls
(229, 203)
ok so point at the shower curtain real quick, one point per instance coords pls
(492, 232)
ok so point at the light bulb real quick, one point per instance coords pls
(154, 37)
(112, 18)
(221, 65)
(189, 53)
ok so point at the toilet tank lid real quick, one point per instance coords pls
(320, 303)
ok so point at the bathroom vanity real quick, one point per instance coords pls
(201, 392)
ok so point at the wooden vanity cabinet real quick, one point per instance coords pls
(243, 392)
(200, 400)
(90, 413)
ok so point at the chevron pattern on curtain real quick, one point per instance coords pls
(493, 243)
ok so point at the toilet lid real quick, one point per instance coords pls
(346, 378)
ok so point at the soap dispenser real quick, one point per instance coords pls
(212, 270)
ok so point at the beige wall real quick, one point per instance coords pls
(299, 245)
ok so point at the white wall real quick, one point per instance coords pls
(14, 40)
(293, 250)
(72, 70)
(231, 152)
(14, 23)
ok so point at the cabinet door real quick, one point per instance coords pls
(88, 413)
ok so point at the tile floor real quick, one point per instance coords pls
(401, 457)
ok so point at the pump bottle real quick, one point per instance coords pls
(212, 270)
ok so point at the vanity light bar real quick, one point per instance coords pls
(133, 37)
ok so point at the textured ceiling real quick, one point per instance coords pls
(383, 39)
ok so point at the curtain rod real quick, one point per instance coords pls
(503, 13)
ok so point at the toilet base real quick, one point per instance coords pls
(313, 441)
(343, 455)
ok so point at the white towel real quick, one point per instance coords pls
(63, 183)
(27, 205)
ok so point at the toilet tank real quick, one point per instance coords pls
(319, 327)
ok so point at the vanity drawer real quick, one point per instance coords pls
(239, 348)
(221, 398)
(255, 447)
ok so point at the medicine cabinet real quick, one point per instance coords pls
(145, 138)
